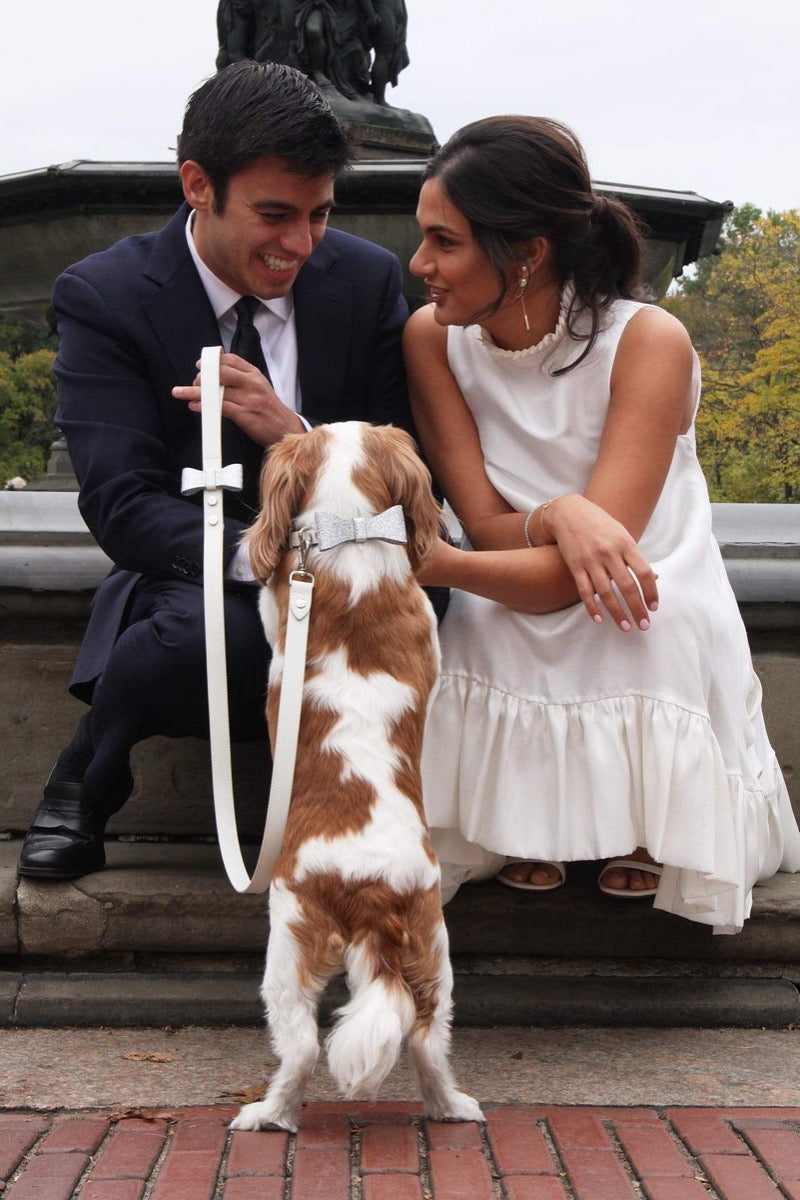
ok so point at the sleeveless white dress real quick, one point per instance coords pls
(553, 737)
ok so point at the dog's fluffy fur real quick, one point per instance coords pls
(356, 887)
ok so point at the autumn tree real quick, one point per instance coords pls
(742, 309)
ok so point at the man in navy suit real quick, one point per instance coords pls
(258, 153)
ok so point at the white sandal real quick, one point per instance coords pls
(533, 887)
(629, 864)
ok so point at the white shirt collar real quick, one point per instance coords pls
(221, 297)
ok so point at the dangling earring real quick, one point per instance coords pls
(523, 283)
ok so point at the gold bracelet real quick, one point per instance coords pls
(541, 521)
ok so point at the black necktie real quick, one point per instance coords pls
(246, 340)
(247, 344)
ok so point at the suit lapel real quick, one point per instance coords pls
(322, 305)
(179, 310)
(183, 320)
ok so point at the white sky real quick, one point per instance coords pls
(694, 95)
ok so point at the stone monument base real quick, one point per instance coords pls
(380, 131)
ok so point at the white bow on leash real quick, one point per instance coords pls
(214, 479)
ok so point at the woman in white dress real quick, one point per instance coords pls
(556, 410)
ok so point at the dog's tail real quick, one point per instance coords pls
(369, 1031)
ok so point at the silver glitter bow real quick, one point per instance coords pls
(388, 526)
(193, 480)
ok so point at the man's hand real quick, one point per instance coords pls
(248, 400)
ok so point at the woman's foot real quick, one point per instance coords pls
(533, 875)
(627, 879)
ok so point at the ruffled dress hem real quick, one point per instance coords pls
(594, 779)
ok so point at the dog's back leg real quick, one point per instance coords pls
(291, 992)
(429, 1040)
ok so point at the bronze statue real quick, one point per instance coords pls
(330, 40)
(259, 29)
(333, 43)
(389, 44)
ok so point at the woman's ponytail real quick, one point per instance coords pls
(608, 264)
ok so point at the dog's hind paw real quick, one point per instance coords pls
(457, 1106)
(264, 1116)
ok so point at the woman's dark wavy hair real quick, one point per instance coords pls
(515, 178)
(253, 110)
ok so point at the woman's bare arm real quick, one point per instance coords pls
(596, 533)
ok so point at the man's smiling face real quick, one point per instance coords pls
(271, 220)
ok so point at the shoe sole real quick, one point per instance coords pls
(57, 872)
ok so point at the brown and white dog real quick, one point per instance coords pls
(356, 887)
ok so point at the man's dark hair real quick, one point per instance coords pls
(253, 110)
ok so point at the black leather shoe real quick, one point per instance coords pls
(66, 837)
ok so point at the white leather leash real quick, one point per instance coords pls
(213, 479)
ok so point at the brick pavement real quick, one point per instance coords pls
(388, 1152)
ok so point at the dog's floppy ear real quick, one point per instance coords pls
(285, 478)
(409, 484)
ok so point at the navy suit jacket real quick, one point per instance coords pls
(132, 321)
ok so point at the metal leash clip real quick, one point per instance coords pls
(305, 540)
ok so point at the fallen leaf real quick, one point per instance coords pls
(248, 1095)
(157, 1056)
(145, 1114)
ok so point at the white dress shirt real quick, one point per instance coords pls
(275, 324)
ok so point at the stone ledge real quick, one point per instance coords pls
(158, 898)
(173, 899)
(48, 547)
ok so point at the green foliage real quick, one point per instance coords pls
(742, 310)
(27, 405)
(19, 336)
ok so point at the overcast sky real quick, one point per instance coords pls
(693, 95)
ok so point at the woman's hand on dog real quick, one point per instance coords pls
(249, 400)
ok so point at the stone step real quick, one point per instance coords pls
(160, 937)
(173, 898)
(138, 999)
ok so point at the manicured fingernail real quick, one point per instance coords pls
(654, 606)
(644, 623)
(625, 626)
(597, 618)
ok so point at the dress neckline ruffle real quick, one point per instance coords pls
(541, 347)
